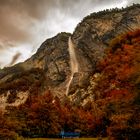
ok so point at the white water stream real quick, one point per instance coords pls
(73, 63)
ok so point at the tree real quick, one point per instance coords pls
(119, 85)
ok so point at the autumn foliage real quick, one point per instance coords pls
(113, 113)
(44, 116)
(119, 86)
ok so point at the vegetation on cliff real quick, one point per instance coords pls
(114, 112)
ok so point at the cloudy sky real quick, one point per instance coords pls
(25, 24)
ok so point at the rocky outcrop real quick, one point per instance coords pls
(92, 36)
(53, 58)
(94, 33)
(51, 63)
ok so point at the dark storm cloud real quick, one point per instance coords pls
(17, 16)
(32, 21)
(32, 7)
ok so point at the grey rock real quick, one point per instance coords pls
(91, 37)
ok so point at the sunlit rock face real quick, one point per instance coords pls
(50, 67)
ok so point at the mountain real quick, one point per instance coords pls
(88, 82)
(50, 67)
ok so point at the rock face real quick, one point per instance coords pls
(53, 58)
(49, 68)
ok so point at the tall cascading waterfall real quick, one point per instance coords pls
(73, 63)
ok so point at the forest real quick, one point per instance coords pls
(114, 113)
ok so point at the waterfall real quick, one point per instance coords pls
(73, 63)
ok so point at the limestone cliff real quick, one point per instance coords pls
(49, 68)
